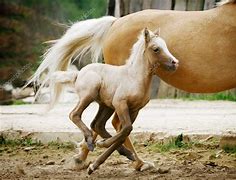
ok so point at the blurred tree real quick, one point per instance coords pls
(26, 24)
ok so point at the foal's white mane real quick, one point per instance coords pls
(137, 50)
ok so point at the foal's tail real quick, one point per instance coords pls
(81, 38)
(64, 77)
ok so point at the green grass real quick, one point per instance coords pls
(59, 145)
(19, 102)
(174, 143)
(212, 97)
(18, 142)
(230, 150)
(25, 142)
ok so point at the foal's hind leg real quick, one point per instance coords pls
(108, 142)
(79, 160)
(75, 116)
(139, 164)
(124, 115)
(99, 123)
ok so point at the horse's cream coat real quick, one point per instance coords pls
(203, 41)
(105, 84)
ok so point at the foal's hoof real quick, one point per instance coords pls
(90, 169)
(147, 166)
(75, 163)
(101, 143)
(143, 165)
(90, 147)
(90, 144)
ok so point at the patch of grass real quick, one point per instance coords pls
(18, 142)
(60, 145)
(24, 142)
(212, 97)
(19, 102)
(231, 150)
(174, 143)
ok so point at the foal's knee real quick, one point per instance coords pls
(73, 116)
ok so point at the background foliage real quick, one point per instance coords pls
(26, 24)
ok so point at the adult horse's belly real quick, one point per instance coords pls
(207, 55)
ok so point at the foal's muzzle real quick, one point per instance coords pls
(172, 64)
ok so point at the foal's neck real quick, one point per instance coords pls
(138, 66)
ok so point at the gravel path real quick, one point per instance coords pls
(160, 116)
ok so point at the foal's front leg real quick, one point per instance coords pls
(123, 113)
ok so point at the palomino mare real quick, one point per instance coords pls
(204, 41)
(105, 84)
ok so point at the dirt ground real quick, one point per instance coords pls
(201, 158)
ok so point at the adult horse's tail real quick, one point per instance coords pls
(81, 38)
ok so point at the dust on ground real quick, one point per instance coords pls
(198, 158)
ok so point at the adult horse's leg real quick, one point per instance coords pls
(139, 164)
(75, 117)
(124, 115)
(98, 126)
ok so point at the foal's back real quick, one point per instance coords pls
(101, 82)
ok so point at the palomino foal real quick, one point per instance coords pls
(105, 84)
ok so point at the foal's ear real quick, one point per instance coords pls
(157, 32)
(147, 35)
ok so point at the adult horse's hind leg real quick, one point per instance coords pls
(75, 116)
(99, 123)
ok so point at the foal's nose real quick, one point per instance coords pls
(174, 61)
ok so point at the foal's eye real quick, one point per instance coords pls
(156, 50)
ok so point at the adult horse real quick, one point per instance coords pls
(203, 41)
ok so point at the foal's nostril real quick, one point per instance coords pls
(173, 62)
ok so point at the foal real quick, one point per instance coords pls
(105, 84)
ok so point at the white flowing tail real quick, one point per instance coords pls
(81, 38)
